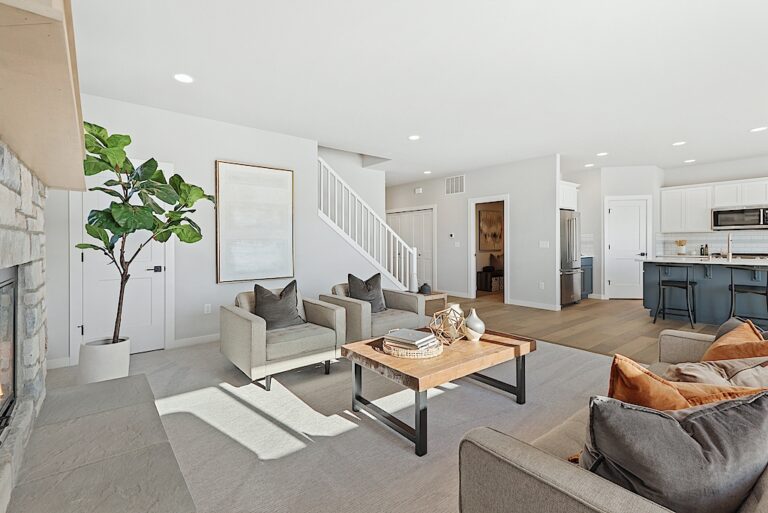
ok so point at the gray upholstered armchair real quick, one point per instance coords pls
(404, 310)
(260, 353)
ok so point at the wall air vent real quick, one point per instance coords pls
(454, 185)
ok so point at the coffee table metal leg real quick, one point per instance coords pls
(518, 389)
(520, 377)
(357, 387)
(421, 423)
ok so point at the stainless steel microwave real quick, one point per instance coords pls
(746, 218)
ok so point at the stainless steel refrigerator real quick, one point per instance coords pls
(570, 257)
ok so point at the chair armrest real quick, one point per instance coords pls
(243, 339)
(408, 301)
(326, 314)
(683, 346)
(500, 474)
(358, 314)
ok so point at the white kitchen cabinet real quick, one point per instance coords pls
(686, 209)
(569, 195)
(740, 194)
(727, 194)
(754, 193)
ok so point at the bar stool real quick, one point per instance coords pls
(686, 285)
(738, 288)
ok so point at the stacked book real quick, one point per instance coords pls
(413, 340)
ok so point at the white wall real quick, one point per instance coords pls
(532, 186)
(756, 167)
(193, 145)
(57, 275)
(368, 183)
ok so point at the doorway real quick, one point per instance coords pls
(149, 300)
(628, 227)
(417, 227)
(487, 241)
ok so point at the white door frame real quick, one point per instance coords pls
(648, 231)
(472, 244)
(433, 208)
(77, 235)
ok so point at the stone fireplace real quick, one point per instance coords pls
(22, 254)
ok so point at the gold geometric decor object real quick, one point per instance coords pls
(447, 326)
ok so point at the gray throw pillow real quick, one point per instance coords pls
(698, 460)
(368, 290)
(279, 310)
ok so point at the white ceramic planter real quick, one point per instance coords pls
(100, 360)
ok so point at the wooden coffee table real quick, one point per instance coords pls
(462, 359)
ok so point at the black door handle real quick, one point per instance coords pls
(157, 269)
(641, 254)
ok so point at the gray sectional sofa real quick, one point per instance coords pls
(501, 474)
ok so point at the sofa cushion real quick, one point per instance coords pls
(567, 438)
(279, 310)
(687, 460)
(631, 382)
(390, 319)
(299, 339)
(743, 372)
(368, 290)
(745, 341)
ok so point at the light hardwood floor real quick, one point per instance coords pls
(605, 327)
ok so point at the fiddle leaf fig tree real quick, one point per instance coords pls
(143, 205)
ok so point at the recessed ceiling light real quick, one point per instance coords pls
(589, 165)
(427, 172)
(183, 78)
(689, 161)
(414, 137)
(759, 129)
(602, 154)
(678, 143)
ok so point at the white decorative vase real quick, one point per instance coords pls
(474, 327)
(101, 360)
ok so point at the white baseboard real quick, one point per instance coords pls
(532, 304)
(57, 363)
(192, 341)
(462, 293)
(598, 296)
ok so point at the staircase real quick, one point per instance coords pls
(355, 221)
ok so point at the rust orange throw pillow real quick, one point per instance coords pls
(746, 341)
(633, 383)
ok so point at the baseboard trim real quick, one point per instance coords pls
(598, 296)
(462, 294)
(532, 304)
(57, 363)
(192, 341)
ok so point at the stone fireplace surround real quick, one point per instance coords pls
(22, 244)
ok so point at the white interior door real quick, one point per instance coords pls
(144, 303)
(416, 229)
(626, 238)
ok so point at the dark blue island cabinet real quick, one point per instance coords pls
(586, 277)
(713, 296)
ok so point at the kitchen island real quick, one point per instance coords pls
(712, 277)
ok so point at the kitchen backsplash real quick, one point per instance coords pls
(743, 242)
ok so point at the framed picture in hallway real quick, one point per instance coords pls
(254, 222)
(491, 231)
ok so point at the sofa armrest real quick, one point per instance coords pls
(358, 314)
(408, 301)
(500, 474)
(326, 314)
(244, 340)
(683, 346)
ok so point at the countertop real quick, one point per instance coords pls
(705, 260)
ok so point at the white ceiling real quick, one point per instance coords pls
(483, 82)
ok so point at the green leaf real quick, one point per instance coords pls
(94, 165)
(163, 235)
(118, 141)
(187, 233)
(96, 131)
(190, 194)
(92, 144)
(112, 183)
(145, 171)
(127, 167)
(148, 201)
(132, 218)
(163, 192)
(98, 233)
(105, 190)
(175, 181)
(89, 246)
(115, 156)
(104, 219)
(158, 177)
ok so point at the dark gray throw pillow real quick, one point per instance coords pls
(698, 460)
(368, 290)
(279, 310)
